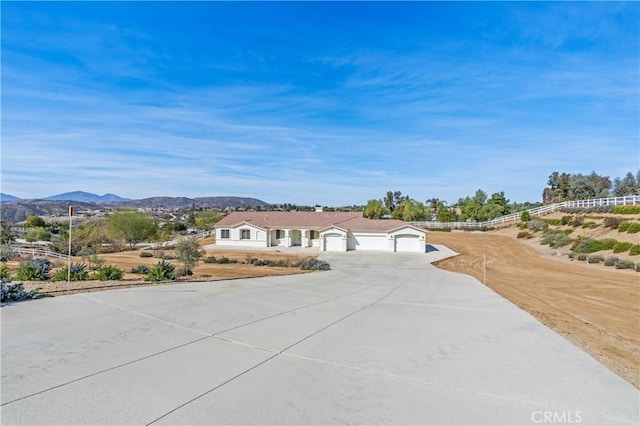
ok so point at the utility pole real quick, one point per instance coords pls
(69, 258)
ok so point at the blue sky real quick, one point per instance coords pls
(328, 103)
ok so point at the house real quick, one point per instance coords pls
(328, 231)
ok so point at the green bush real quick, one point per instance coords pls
(635, 209)
(522, 225)
(146, 254)
(162, 271)
(589, 225)
(634, 250)
(537, 225)
(582, 257)
(621, 247)
(629, 226)
(78, 273)
(577, 221)
(5, 275)
(611, 261)
(553, 222)
(555, 238)
(588, 245)
(210, 259)
(108, 273)
(596, 258)
(140, 269)
(612, 222)
(34, 270)
(524, 234)
(525, 216)
(625, 264)
(566, 220)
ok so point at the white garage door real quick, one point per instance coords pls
(408, 243)
(368, 242)
(334, 242)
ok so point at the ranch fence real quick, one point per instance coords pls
(538, 211)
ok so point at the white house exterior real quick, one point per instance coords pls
(328, 231)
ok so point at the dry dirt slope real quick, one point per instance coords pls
(597, 310)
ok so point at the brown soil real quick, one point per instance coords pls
(596, 309)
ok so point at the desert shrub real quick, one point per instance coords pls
(525, 216)
(183, 272)
(555, 238)
(571, 255)
(634, 250)
(162, 271)
(315, 265)
(210, 259)
(625, 264)
(17, 293)
(262, 262)
(638, 267)
(629, 226)
(146, 254)
(78, 273)
(635, 209)
(223, 260)
(5, 275)
(596, 258)
(445, 229)
(621, 247)
(34, 270)
(589, 225)
(612, 222)
(537, 225)
(577, 221)
(582, 257)
(553, 222)
(7, 253)
(566, 220)
(108, 273)
(524, 234)
(522, 225)
(611, 261)
(588, 245)
(140, 269)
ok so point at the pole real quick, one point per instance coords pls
(484, 269)
(69, 258)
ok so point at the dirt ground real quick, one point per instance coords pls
(595, 308)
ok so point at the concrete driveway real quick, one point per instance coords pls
(380, 339)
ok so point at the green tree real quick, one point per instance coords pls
(374, 209)
(206, 220)
(6, 233)
(38, 234)
(189, 252)
(447, 215)
(131, 226)
(626, 186)
(34, 221)
(410, 211)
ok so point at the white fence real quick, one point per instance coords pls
(538, 211)
(38, 252)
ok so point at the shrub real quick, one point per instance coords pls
(577, 221)
(625, 264)
(589, 225)
(582, 257)
(146, 254)
(638, 267)
(7, 253)
(183, 272)
(524, 234)
(566, 220)
(224, 260)
(555, 238)
(34, 270)
(621, 247)
(162, 271)
(140, 269)
(611, 261)
(210, 259)
(17, 293)
(262, 262)
(596, 258)
(635, 209)
(553, 222)
(108, 273)
(5, 275)
(571, 255)
(612, 222)
(537, 225)
(629, 226)
(525, 216)
(588, 245)
(634, 250)
(315, 265)
(78, 273)
(522, 225)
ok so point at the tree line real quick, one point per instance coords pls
(565, 186)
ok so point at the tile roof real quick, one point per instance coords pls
(352, 221)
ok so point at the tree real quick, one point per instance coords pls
(38, 234)
(131, 226)
(206, 220)
(471, 207)
(374, 209)
(410, 211)
(447, 215)
(393, 199)
(34, 221)
(626, 186)
(6, 233)
(189, 252)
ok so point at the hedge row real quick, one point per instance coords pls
(635, 209)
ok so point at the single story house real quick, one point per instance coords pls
(328, 231)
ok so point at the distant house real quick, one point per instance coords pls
(328, 231)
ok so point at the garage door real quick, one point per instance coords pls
(368, 242)
(333, 242)
(408, 243)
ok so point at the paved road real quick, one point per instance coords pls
(380, 339)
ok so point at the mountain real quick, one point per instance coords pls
(229, 202)
(177, 202)
(86, 197)
(18, 211)
(8, 197)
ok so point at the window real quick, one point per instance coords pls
(245, 234)
(224, 234)
(279, 233)
(313, 235)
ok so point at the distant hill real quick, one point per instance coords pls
(177, 202)
(86, 197)
(18, 211)
(230, 202)
(8, 197)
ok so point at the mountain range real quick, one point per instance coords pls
(17, 210)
